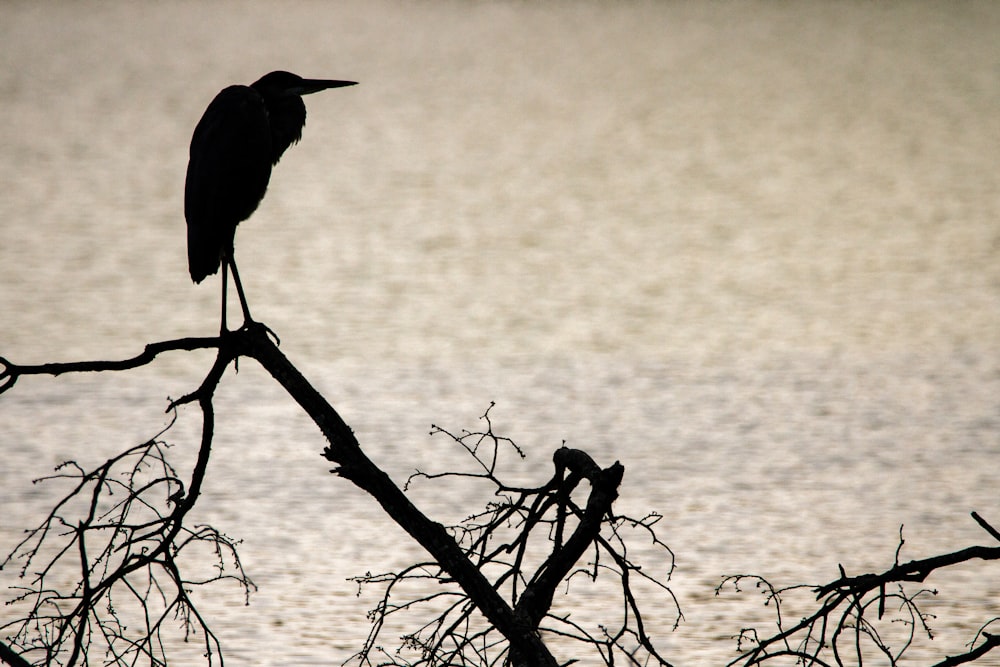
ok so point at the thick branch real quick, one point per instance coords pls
(537, 597)
(526, 647)
(11, 658)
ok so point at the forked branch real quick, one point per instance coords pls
(121, 528)
(531, 541)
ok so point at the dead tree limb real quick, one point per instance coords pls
(530, 540)
(849, 608)
(130, 538)
(253, 341)
(10, 372)
(354, 465)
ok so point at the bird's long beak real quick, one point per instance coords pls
(309, 86)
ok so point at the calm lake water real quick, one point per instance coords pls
(749, 249)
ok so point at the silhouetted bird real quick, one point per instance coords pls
(244, 132)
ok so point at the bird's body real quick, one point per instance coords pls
(227, 175)
(242, 135)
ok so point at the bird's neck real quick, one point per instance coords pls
(286, 116)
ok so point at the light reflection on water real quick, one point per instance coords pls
(749, 251)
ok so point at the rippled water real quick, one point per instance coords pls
(750, 250)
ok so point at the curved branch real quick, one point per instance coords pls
(507, 536)
(11, 372)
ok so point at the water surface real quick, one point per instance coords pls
(749, 250)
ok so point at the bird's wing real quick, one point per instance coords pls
(227, 175)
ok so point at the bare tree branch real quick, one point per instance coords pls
(494, 575)
(354, 465)
(509, 539)
(126, 545)
(990, 643)
(843, 620)
(11, 372)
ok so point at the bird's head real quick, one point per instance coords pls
(281, 84)
(281, 93)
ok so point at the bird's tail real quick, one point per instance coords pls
(204, 252)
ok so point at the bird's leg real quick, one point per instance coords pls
(239, 289)
(247, 320)
(225, 275)
(229, 263)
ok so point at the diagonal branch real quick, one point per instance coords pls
(526, 647)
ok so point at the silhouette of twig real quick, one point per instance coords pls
(845, 627)
(122, 524)
(122, 528)
(531, 541)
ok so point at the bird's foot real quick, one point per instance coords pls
(249, 325)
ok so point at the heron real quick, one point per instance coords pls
(241, 136)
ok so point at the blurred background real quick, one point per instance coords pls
(748, 249)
